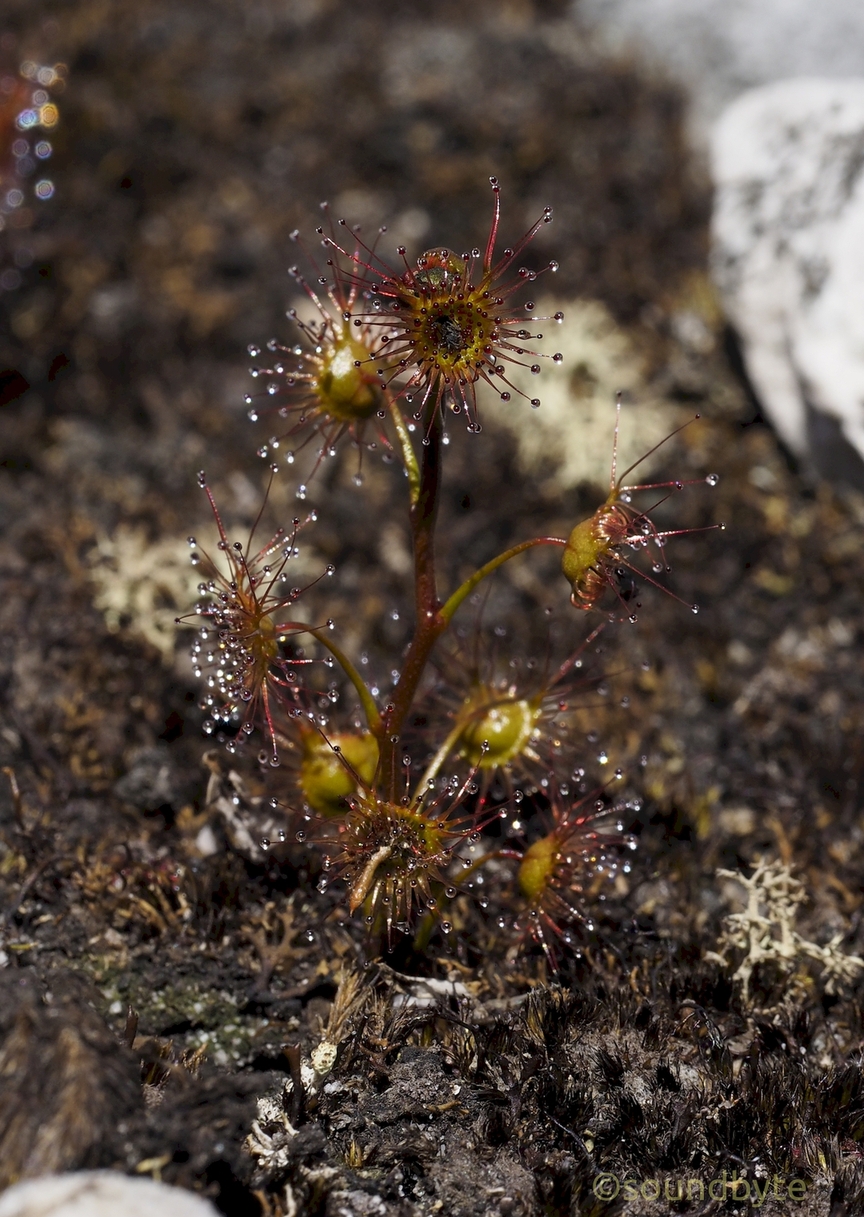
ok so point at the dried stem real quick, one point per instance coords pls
(409, 457)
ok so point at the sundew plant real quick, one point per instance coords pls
(408, 814)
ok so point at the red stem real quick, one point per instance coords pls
(428, 622)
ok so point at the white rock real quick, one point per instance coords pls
(100, 1194)
(788, 236)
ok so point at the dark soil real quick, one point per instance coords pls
(162, 970)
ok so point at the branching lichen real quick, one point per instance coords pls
(764, 932)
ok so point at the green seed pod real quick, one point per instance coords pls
(583, 550)
(506, 726)
(538, 866)
(562, 872)
(325, 780)
(347, 392)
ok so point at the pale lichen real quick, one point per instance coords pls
(141, 585)
(569, 439)
(764, 932)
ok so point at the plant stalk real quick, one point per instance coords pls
(428, 622)
(468, 586)
(373, 718)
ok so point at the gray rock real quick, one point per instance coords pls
(69, 1087)
(788, 257)
(717, 49)
(356, 1204)
(151, 781)
(100, 1194)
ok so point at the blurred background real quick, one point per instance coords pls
(156, 156)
